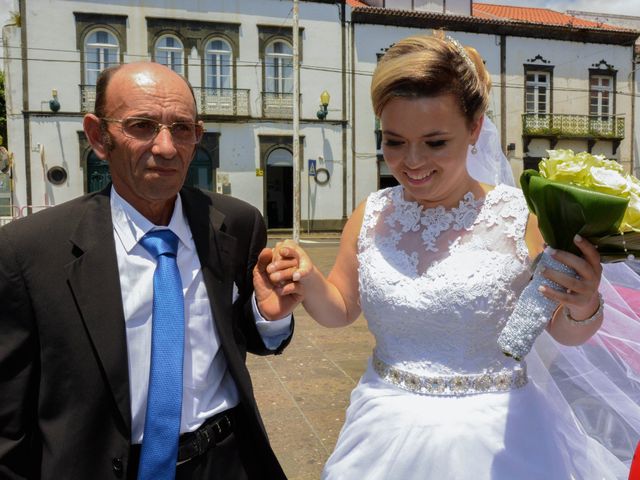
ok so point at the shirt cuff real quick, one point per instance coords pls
(273, 332)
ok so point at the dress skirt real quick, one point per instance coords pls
(391, 433)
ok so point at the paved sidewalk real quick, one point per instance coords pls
(303, 393)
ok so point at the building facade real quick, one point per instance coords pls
(239, 60)
(558, 82)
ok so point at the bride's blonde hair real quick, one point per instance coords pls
(431, 65)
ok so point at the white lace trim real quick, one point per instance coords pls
(440, 312)
(411, 216)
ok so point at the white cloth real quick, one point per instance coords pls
(489, 164)
(600, 380)
(207, 385)
(436, 288)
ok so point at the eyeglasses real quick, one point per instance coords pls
(146, 129)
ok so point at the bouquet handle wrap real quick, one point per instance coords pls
(532, 311)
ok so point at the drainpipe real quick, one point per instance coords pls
(634, 161)
(343, 32)
(503, 92)
(25, 102)
(353, 117)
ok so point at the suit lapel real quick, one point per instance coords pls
(95, 282)
(216, 252)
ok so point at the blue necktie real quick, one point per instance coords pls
(164, 398)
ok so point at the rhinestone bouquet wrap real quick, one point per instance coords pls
(532, 312)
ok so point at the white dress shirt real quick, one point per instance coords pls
(207, 385)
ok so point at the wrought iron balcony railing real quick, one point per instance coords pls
(222, 101)
(210, 101)
(573, 126)
(87, 98)
(277, 105)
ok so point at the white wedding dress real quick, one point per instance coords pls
(439, 400)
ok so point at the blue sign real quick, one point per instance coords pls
(312, 167)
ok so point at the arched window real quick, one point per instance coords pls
(101, 50)
(170, 52)
(279, 67)
(218, 64)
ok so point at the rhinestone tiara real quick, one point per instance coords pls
(463, 53)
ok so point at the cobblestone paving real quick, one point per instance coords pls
(303, 393)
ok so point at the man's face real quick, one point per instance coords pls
(148, 173)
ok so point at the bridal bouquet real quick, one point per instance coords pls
(572, 194)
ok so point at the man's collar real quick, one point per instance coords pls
(130, 225)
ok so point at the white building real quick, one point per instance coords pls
(631, 22)
(238, 59)
(558, 82)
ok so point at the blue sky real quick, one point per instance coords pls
(624, 7)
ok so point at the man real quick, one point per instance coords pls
(81, 361)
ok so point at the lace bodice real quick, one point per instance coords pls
(437, 285)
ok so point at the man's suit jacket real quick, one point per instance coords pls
(64, 388)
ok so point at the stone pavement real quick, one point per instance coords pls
(303, 393)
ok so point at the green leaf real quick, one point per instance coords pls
(566, 210)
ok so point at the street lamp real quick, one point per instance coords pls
(54, 103)
(324, 103)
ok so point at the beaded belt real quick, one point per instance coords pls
(452, 384)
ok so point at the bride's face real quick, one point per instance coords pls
(425, 142)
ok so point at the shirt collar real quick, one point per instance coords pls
(130, 225)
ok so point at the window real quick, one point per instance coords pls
(200, 173)
(279, 67)
(537, 92)
(601, 96)
(170, 52)
(101, 50)
(218, 65)
(98, 175)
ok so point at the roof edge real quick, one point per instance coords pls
(516, 28)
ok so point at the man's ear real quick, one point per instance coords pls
(96, 135)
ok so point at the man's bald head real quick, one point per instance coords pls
(105, 77)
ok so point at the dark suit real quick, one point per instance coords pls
(64, 386)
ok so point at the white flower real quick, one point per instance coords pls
(608, 181)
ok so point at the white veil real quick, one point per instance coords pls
(597, 383)
(488, 164)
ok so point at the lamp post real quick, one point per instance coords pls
(324, 103)
(297, 178)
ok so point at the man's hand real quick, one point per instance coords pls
(275, 298)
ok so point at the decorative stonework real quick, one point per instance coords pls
(538, 58)
(603, 65)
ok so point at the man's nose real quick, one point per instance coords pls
(163, 143)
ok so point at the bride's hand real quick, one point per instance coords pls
(579, 295)
(289, 267)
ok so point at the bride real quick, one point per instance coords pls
(436, 265)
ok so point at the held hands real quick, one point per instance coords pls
(579, 295)
(278, 279)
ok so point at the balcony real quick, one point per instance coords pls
(222, 101)
(556, 126)
(211, 101)
(87, 98)
(277, 105)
